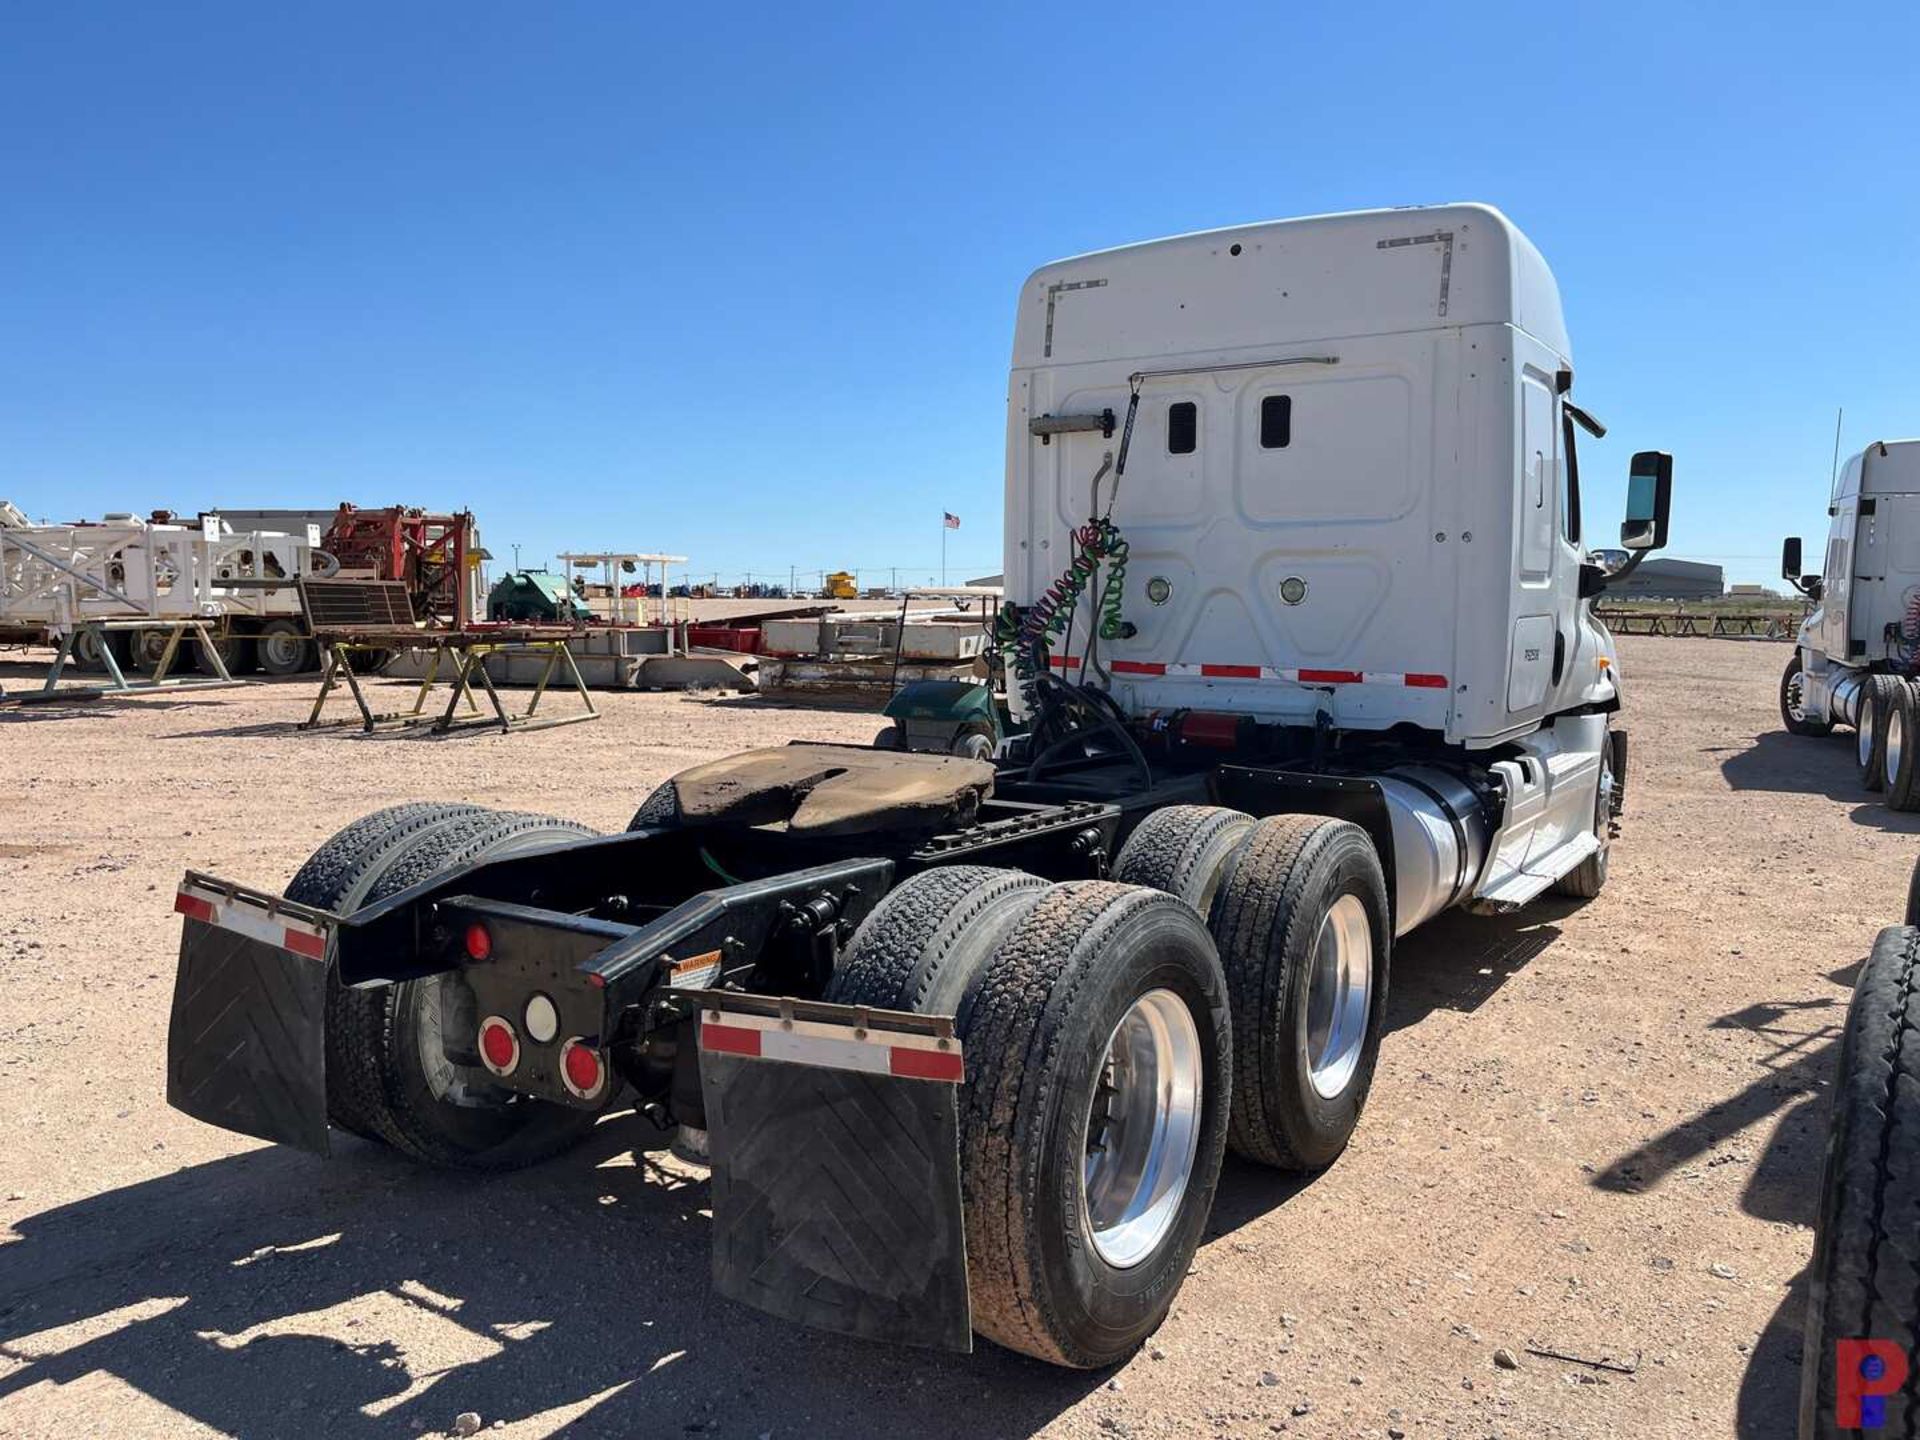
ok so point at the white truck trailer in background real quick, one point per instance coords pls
(1858, 652)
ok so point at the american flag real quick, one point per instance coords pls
(950, 520)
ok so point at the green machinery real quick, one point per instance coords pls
(535, 596)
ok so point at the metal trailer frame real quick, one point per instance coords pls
(633, 942)
(467, 652)
(117, 682)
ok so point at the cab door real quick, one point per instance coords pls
(1530, 665)
(1836, 602)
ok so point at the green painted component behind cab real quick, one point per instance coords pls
(956, 702)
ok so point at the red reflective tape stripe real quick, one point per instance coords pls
(194, 906)
(1329, 677)
(926, 1064)
(734, 1039)
(1138, 667)
(1428, 682)
(1231, 672)
(1064, 662)
(302, 943)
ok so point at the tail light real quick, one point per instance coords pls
(581, 1070)
(479, 942)
(499, 1046)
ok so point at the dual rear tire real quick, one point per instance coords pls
(1887, 740)
(1879, 697)
(396, 1073)
(144, 649)
(1297, 905)
(1900, 747)
(1228, 988)
(1093, 1018)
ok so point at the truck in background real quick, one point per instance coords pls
(1857, 656)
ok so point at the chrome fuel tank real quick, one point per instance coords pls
(1440, 840)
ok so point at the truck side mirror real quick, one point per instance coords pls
(1649, 498)
(1790, 559)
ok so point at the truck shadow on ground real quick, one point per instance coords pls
(236, 1292)
(1458, 961)
(1808, 765)
(232, 1292)
(1783, 1185)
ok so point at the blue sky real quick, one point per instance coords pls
(738, 282)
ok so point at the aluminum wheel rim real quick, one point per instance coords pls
(448, 1081)
(1796, 696)
(1865, 737)
(1143, 1129)
(1603, 802)
(1339, 996)
(1896, 736)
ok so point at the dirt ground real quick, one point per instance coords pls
(1596, 1130)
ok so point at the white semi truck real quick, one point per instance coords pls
(1859, 650)
(1300, 653)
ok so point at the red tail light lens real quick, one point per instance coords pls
(479, 942)
(499, 1046)
(580, 1067)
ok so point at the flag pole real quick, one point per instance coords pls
(943, 549)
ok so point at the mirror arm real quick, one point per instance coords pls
(1585, 421)
(1612, 577)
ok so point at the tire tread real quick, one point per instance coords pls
(1866, 1266)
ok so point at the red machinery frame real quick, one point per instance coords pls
(431, 553)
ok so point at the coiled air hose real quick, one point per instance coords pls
(1026, 635)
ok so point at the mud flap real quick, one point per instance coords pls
(246, 1046)
(835, 1145)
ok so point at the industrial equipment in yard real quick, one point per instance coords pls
(1300, 654)
(435, 556)
(374, 618)
(1857, 657)
(870, 655)
(127, 595)
(536, 596)
(241, 580)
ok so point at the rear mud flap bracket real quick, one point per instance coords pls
(836, 1168)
